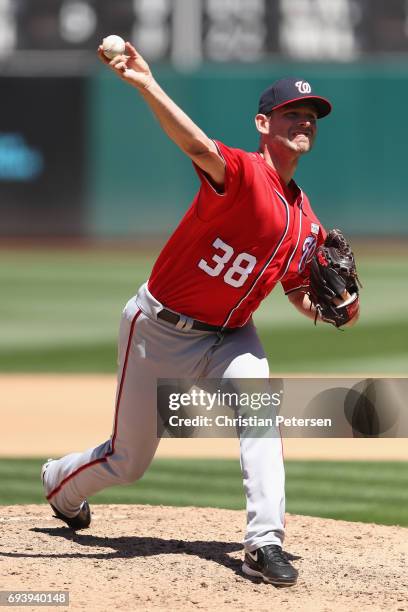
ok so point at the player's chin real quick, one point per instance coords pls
(302, 146)
(301, 143)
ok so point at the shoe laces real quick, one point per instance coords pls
(275, 553)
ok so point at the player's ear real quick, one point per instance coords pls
(262, 123)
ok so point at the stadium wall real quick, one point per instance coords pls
(131, 180)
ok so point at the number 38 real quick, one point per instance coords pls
(239, 269)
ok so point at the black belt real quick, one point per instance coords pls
(172, 317)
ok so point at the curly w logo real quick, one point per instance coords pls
(308, 248)
(303, 87)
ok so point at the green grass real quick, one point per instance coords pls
(60, 312)
(353, 491)
(367, 349)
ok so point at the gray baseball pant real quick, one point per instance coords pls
(148, 349)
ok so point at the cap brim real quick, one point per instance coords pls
(323, 106)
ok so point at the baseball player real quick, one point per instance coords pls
(248, 228)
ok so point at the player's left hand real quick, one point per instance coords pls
(334, 284)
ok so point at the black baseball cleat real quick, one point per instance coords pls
(271, 564)
(82, 520)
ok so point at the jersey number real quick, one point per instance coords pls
(238, 271)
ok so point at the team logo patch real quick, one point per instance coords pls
(303, 87)
(315, 228)
(308, 249)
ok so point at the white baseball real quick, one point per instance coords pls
(112, 46)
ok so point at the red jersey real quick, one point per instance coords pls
(232, 248)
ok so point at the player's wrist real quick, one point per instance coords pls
(145, 85)
(348, 312)
(353, 308)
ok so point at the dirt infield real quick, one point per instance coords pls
(145, 557)
(34, 406)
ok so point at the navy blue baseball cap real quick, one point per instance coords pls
(289, 90)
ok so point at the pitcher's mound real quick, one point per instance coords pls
(155, 557)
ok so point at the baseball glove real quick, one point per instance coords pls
(332, 272)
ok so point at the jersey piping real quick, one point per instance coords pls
(244, 297)
(296, 289)
(297, 242)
